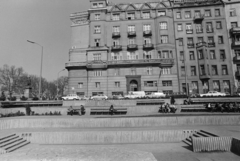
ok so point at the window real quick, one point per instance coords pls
(165, 54)
(187, 14)
(147, 40)
(190, 41)
(199, 28)
(133, 71)
(189, 29)
(222, 54)
(205, 85)
(97, 16)
(216, 85)
(234, 24)
(132, 55)
(147, 27)
(210, 39)
(167, 83)
(195, 87)
(193, 71)
(209, 27)
(146, 15)
(131, 28)
(179, 27)
(116, 28)
(163, 25)
(100, 4)
(150, 83)
(226, 86)
(117, 84)
(218, 25)
(224, 70)
(97, 84)
(164, 39)
(116, 42)
(97, 56)
(191, 55)
(214, 70)
(181, 56)
(116, 17)
(212, 54)
(200, 39)
(166, 71)
(149, 70)
(131, 41)
(200, 54)
(80, 85)
(202, 70)
(161, 13)
(97, 42)
(220, 39)
(116, 56)
(131, 16)
(232, 12)
(147, 54)
(178, 15)
(207, 13)
(182, 70)
(217, 12)
(180, 42)
(237, 53)
(97, 30)
(197, 14)
(117, 72)
(94, 5)
(97, 73)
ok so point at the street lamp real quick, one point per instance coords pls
(184, 59)
(40, 81)
(57, 80)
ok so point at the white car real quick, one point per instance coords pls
(135, 94)
(156, 95)
(99, 97)
(71, 97)
(213, 93)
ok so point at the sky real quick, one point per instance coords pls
(45, 22)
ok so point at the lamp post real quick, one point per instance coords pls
(40, 81)
(184, 59)
(57, 80)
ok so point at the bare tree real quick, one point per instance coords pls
(62, 83)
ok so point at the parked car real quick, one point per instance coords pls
(118, 97)
(213, 93)
(99, 97)
(135, 94)
(85, 98)
(71, 97)
(156, 95)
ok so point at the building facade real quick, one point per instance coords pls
(232, 11)
(169, 46)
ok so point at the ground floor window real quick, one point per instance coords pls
(205, 87)
(216, 85)
(96, 93)
(168, 92)
(167, 83)
(226, 86)
(195, 87)
(150, 83)
(117, 93)
(80, 94)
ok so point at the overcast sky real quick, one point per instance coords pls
(45, 22)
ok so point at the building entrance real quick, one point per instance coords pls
(133, 85)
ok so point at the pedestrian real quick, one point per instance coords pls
(172, 100)
(70, 110)
(111, 110)
(82, 110)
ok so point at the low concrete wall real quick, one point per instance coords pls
(106, 137)
(80, 122)
(12, 110)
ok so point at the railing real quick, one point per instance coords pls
(211, 44)
(210, 30)
(142, 61)
(235, 43)
(117, 47)
(148, 46)
(147, 33)
(132, 46)
(198, 17)
(236, 59)
(190, 45)
(189, 31)
(199, 30)
(235, 30)
(131, 33)
(237, 73)
(116, 34)
(200, 44)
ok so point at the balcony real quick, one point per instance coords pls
(147, 33)
(116, 47)
(201, 44)
(199, 30)
(237, 74)
(198, 17)
(190, 45)
(204, 75)
(116, 34)
(211, 44)
(132, 47)
(236, 60)
(235, 44)
(148, 46)
(132, 33)
(156, 62)
(235, 30)
(210, 30)
(189, 31)
(97, 64)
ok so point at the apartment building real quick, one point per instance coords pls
(203, 51)
(117, 48)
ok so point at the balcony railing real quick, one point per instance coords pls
(236, 60)
(204, 75)
(201, 44)
(198, 17)
(211, 44)
(116, 34)
(235, 44)
(199, 30)
(235, 30)
(147, 33)
(189, 31)
(132, 33)
(116, 47)
(237, 74)
(190, 45)
(167, 62)
(132, 47)
(148, 46)
(209, 30)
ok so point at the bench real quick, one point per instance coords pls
(75, 112)
(118, 111)
(193, 108)
(150, 102)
